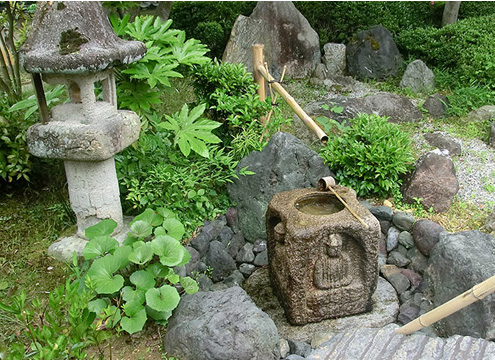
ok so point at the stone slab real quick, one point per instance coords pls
(384, 311)
(385, 344)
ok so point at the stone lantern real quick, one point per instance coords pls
(72, 43)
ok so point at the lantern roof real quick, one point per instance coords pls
(75, 37)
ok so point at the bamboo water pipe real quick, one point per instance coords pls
(477, 292)
(258, 60)
(292, 103)
(327, 183)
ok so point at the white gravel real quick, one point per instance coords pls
(475, 170)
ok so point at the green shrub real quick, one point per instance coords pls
(204, 20)
(338, 21)
(462, 100)
(464, 48)
(229, 93)
(369, 156)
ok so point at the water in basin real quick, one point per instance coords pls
(319, 204)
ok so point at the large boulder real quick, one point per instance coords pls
(221, 325)
(373, 54)
(396, 107)
(486, 112)
(436, 105)
(443, 141)
(457, 263)
(433, 180)
(418, 77)
(285, 32)
(284, 164)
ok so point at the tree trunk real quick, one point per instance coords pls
(450, 12)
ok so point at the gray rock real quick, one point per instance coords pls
(433, 180)
(245, 255)
(436, 105)
(396, 107)
(414, 278)
(231, 216)
(261, 259)
(225, 236)
(457, 263)
(320, 73)
(300, 348)
(284, 348)
(397, 259)
(486, 112)
(221, 325)
(385, 226)
(201, 243)
(287, 36)
(259, 246)
(219, 286)
(384, 311)
(419, 262)
(392, 238)
(372, 54)
(406, 239)
(193, 264)
(234, 279)
(399, 281)
(204, 282)
(491, 138)
(385, 344)
(284, 164)
(334, 59)
(212, 229)
(426, 234)
(403, 220)
(489, 226)
(407, 313)
(221, 262)
(418, 77)
(382, 213)
(246, 269)
(235, 244)
(443, 141)
(294, 357)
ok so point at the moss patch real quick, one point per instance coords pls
(71, 41)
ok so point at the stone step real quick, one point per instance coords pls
(385, 344)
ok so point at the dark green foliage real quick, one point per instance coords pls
(230, 95)
(155, 173)
(369, 156)
(475, 9)
(338, 21)
(210, 22)
(465, 48)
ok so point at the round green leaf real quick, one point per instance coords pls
(160, 316)
(142, 279)
(190, 285)
(104, 227)
(168, 249)
(129, 295)
(101, 273)
(99, 246)
(165, 298)
(135, 321)
(174, 228)
(150, 217)
(158, 270)
(141, 254)
(141, 229)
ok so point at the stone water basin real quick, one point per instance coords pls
(323, 262)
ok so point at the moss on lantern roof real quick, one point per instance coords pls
(75, 37)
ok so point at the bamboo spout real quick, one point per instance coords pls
(293, 104)
(477, 292)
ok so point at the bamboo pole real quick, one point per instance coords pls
(258, 60)
(477, 292)
(293, 104)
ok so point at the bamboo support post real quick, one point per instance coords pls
(258, 60)
(293, 104)
(477, 292)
